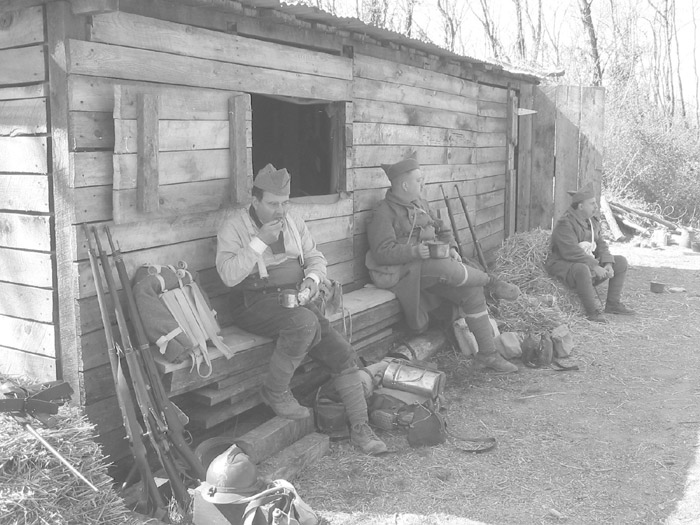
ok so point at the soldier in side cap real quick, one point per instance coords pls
(399, 260)
(262, 250)
(581, 258)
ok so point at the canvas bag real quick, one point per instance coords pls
(177, 316)
(427, 427)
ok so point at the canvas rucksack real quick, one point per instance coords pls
(177, 316)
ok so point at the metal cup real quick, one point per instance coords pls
(439, 250)
(288, 299)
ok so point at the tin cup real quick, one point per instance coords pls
(288, 298)
(656, 287)
(439, 250)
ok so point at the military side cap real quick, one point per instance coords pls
(582, 194)
(408, 164)
(273, 180)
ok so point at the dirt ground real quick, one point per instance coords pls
(612, 443)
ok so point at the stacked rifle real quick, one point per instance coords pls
(149, 416)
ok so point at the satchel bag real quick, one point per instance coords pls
(427, 428)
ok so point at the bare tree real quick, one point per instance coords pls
(452, 14)
(587, 19)
(536, 30)
(520, 37)
(490, 30)
(408, 7)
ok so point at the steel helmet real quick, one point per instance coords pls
(231, 476)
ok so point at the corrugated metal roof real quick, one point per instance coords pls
(314, 14)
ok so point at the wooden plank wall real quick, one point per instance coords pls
(181, 64)
(27, 309)
(458, 129)
(560, 149)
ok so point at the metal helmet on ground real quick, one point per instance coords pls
(231, 476)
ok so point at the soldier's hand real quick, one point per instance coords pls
(600, 272)
(422, 251)
(310, 285)
(454, 254)
(609, 270)
(270, 231)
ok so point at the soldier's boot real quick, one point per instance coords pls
(502, 290)
(613, 305)
(349, 387)
(487, 356)
(275, 389)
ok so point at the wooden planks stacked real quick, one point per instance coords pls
(27, 330)
(233, 386)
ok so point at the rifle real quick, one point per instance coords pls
(134, 430)
(452, 219)
(477, 244)
(156, 427)
(172, 415)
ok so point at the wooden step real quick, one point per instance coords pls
(272, 436)
(290, 462)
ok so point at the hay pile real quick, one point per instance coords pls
(35, 487)
(545, 302)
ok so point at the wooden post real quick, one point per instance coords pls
(66, 283)
(147, 157)
(511, 148)
(524, 179)
(241, 179)
(336, 112)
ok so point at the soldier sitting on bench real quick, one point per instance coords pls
(399, 260)
(262, 250)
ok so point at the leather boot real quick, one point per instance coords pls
(487, 356)
(283, 404)
(502, 290)
(351, 391)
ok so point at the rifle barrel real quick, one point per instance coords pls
(453, 223)
(477, 244)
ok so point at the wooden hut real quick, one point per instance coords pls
(151, 116)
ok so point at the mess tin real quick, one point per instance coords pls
(439, 250)
(402, 375)
(288, 298)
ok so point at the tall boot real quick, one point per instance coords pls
(275, 389)
(613, 305)
(351, 391)
(587, 294)
(487, 356)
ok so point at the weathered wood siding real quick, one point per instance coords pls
(458, 129)
(83, 168)
(180, 64)
(27, 300)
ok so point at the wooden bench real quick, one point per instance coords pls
(368, 319)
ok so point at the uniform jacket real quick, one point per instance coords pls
(393, 231)
(239, 251)
(570, 230)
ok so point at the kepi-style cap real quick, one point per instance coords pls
(408, 164)
(582, 194)
(273, 180)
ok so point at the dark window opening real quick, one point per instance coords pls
(297, 137)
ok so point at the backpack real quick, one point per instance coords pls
(177, 316)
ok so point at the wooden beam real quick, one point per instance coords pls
(23, 65)
(525, 152)
(93, 7)
(241, 177)
(68, 341)
(147, 157)
(24, 193)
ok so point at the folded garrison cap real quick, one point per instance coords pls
(273, 180)
(582, 194)
(408, 164)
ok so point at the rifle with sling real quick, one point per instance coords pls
(477, 244)
(134, 431)
(172, 415)
(155, 426)
(453, 223)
